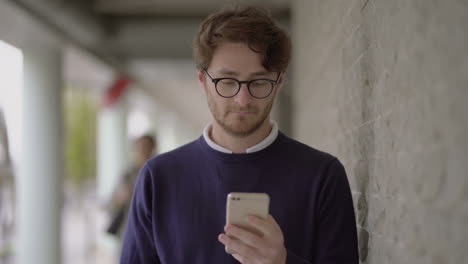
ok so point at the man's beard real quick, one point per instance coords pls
(243, 126)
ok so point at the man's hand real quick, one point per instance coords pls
(255, 249)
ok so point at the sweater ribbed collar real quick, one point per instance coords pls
(262, 145)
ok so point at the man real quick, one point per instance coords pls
(178, 210)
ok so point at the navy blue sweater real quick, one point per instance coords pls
(179, 204)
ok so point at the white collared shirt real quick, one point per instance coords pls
(263, 144)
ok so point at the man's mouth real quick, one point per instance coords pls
(243, 113)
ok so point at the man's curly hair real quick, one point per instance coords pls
(253, 26)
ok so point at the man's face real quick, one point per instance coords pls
(242, 114)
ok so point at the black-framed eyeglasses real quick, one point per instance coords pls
(229, 87)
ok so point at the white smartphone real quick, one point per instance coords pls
(239, 205)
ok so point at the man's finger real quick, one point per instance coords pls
(273, 222)
(238, 246)
(239, 258)
(263, 225)
(245, 236)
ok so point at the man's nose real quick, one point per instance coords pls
(243, 97)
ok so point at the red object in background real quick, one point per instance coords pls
(115, 91)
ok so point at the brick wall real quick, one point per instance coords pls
(383, 85)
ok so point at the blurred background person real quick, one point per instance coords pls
(142, 150)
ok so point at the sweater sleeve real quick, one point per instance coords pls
(336, 241)
(138, 245)
(336, 230)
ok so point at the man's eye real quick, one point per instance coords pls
(227, 82)
(260, 83)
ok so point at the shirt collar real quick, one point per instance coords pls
(262, 145)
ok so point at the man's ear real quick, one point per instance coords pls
(201, 78)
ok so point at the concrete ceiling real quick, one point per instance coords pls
(81, 70)
(179, 8)
(174, 84)
(121, 30)
(163, 29)
(148, 39)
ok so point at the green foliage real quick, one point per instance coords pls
(6, 252)
(80, 148)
